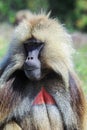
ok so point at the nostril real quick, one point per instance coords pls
(28, 58)
(31, 58)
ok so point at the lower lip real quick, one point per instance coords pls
(31, 69)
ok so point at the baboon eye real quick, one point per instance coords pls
(32, 44)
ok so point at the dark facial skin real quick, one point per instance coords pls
(32, 65)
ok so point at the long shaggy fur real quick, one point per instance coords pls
(70, 113)
(58, 51)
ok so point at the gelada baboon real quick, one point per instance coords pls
(21, 15)
(39, 89)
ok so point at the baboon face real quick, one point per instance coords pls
(32, 64)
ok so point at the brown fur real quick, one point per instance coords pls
(78, 97)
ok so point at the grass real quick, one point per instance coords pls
(81, 65)
(3, 47)
(80, 60)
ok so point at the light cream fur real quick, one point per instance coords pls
(58, 49)
(12, 126)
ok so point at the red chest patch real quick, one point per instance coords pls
(43, 97)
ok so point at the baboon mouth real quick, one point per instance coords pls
(31, 68)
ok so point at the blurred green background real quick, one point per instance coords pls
(71, 13)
